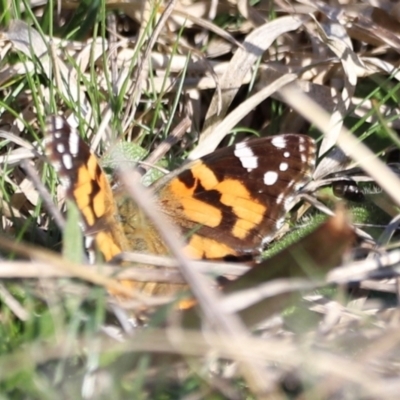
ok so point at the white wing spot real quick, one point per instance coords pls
(246, 156)
(279, 142)
(57, 134)
(60, 148)
(67, 161)
(270, 178)
(74, 143)
(286, 154)
(58, 123)
(283, 166)
(302, 148)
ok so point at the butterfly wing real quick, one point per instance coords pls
(87, 185)
(230, 203)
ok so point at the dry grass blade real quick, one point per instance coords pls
(36, 270)
(340, 44)
(214, 268)
(381, 267)
(32, 269)
(179, 10)
(13, 304)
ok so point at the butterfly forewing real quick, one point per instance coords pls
(86, 185)
(239, 195)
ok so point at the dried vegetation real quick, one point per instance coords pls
(174, 80)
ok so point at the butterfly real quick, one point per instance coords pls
(227, 205)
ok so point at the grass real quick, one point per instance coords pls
(129, 79)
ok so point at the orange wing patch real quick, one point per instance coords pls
(195, 210)
(202, 247)
(248, 211)
(90, 191)
(107, 244)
